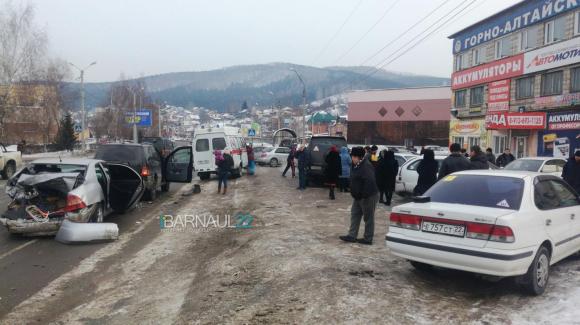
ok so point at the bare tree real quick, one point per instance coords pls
(22, 51)
(54, 95)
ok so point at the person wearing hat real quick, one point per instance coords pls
(363, 189)
(571, 172)
(303, 162)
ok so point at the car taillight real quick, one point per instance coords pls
(502, 234)
(145, 171)
(74, 203)
(489, 232)
(405, 221)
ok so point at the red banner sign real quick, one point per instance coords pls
(493, 71)
(498, 98)
(535, 120)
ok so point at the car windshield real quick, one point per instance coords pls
(131, 154)
(267, 149)
(530, 165)
(484, 191)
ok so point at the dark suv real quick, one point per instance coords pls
(163, 145)
(143, 158)
(317, 149)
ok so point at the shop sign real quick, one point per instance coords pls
(498, 98)
(522, 121)
(560, 100)
(554, 56)
(465, 127)
(564, 121)
(493, 71)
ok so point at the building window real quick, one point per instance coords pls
(575, 80)
(459, 140)
(476, 96)
(525, 88)
(473, 141)
(461, 61)
(555, 30)
(478, 56)
(499, 144)
(577, 23)
(460, 98)
(552, 83)
(528, 38)
(503, 47)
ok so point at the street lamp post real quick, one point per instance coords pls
(303, 104)
(83, 113)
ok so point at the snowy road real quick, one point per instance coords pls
(288, 268)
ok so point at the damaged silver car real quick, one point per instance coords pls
(47, 191)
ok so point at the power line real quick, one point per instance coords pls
(337, 32)
(405, 32)
(368, 31)
(383, 64)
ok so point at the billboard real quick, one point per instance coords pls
(498, 96)
(522, 121)
(493, 71)
(142, 118)
(554, 56)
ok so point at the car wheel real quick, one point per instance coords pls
(165, 187)
(98, 215)
(203, 176)
(536, 280)
(9, 170)
(423, 267)
(273, 162)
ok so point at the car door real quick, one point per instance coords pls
(179, 165)
(282, 153)
(570, 209)
(409, 175)
(125, 187)
(558, 219)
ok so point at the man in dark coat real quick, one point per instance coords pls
(505, 158)
(332, 170)
(571, 172)
(455, 162)
(303, 162)
(363, 190)
(427, 171)
(477, 158)
(489, 155)
(290, 161)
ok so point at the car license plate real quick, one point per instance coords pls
(442, 228)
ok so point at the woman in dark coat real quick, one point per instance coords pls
(427, 171)
(386, 175)
(332, 170)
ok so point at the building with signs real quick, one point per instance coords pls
(518, 74)
(410, 116)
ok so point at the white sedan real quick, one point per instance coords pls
(548, 165)
(273, 156)
(499, 223)
(408, 176)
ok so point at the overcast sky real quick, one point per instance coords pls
(145, 37)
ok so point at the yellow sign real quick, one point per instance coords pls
(550, 137)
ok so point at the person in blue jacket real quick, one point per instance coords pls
(345, 163)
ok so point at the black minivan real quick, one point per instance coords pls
(143, 158)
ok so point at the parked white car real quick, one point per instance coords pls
(498, 223)
(273, 156)
(10, 162)
(548, 165)
(408, 176)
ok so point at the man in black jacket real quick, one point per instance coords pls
(455, 162)
(571, 172)
(477, 158)
(363, 189)
(505, 158)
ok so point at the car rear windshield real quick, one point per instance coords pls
(525, 164)
(58, 168)
(479, 190)
(131, 154)
(328, 141)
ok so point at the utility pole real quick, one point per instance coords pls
(135, 135)
(303, 105)
(159, 120)
(83, 113)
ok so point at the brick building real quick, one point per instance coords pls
(410, 116)
(516, 80)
